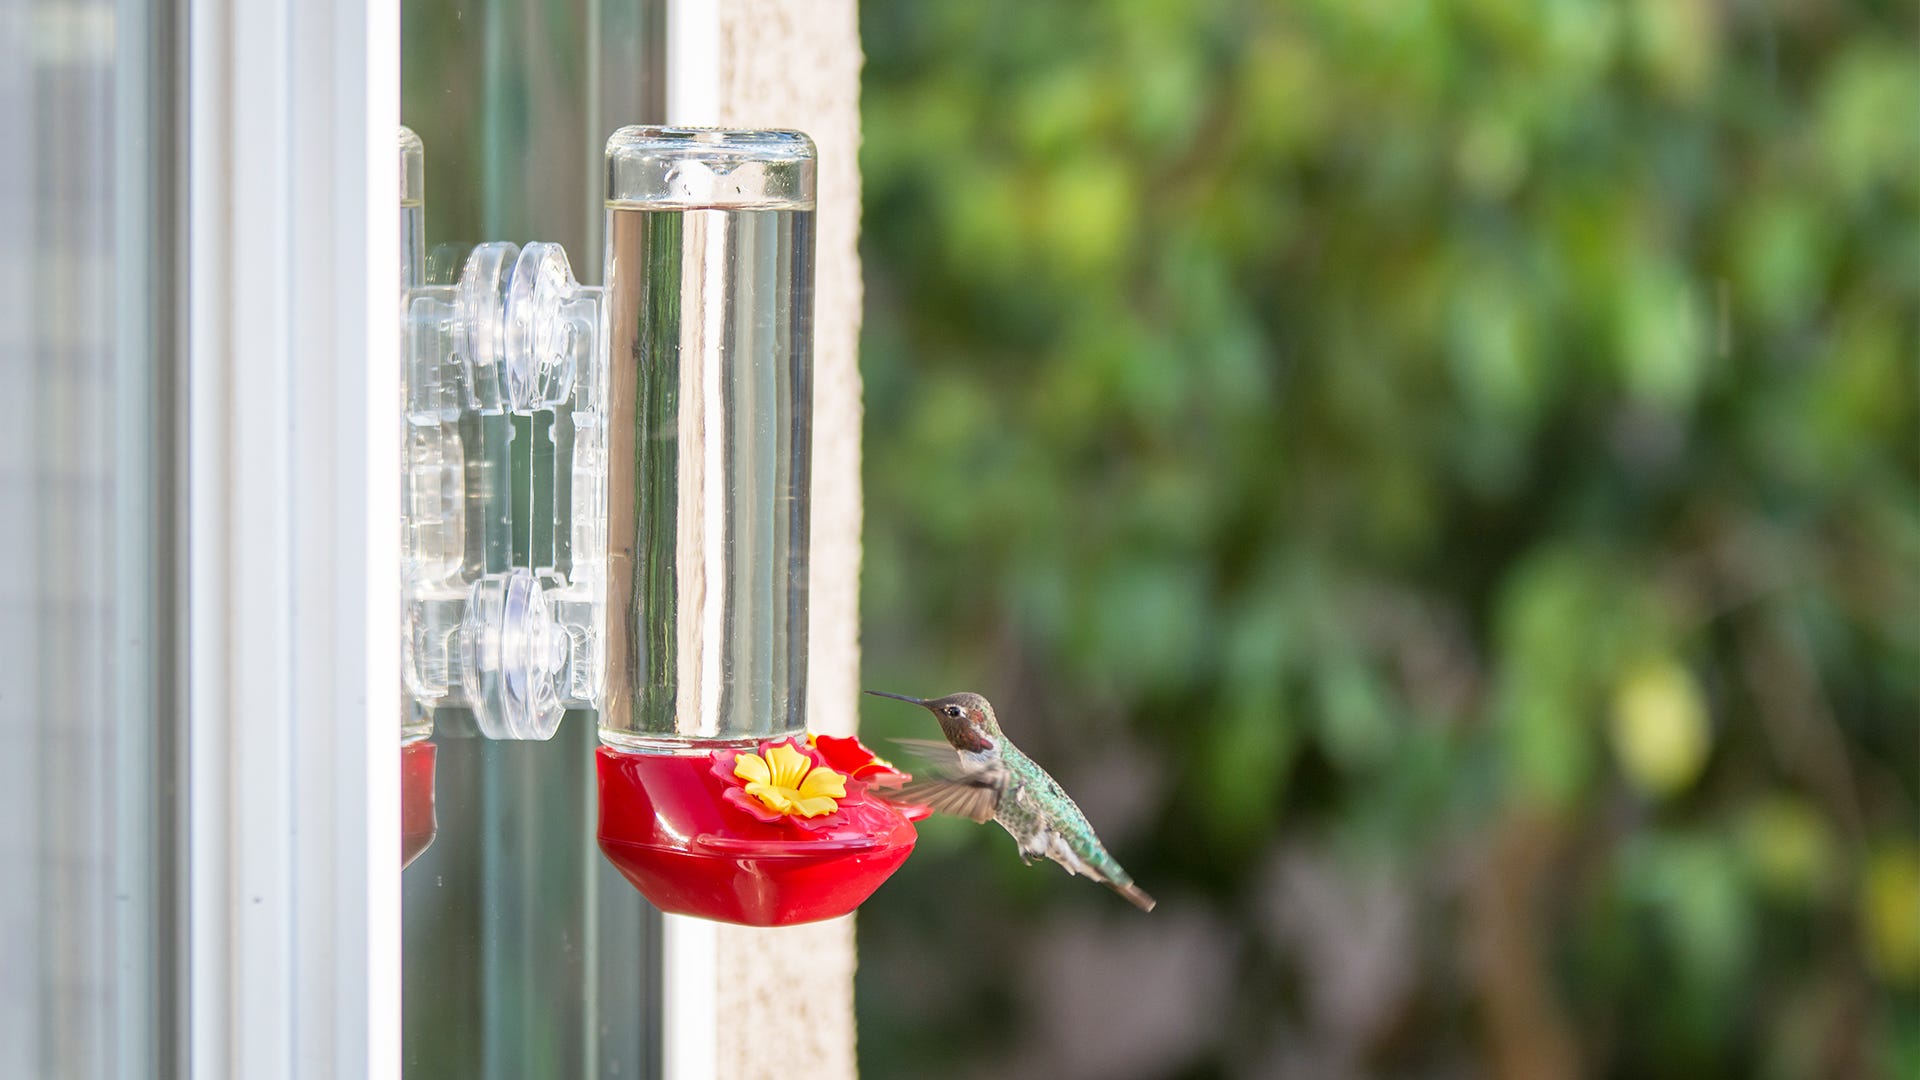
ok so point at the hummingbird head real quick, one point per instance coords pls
(965, 719)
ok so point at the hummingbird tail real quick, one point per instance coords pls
(1135, 895)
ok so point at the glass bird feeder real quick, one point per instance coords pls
(709, 327)
(606, 507)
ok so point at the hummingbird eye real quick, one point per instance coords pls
(956, 711)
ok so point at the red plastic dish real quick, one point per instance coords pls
(666, 827)
(418, 825)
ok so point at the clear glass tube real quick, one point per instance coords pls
(709, 309)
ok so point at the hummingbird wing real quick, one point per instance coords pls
(935, 752)
(965, 798)
(950, 784)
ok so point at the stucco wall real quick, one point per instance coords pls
(796, 63)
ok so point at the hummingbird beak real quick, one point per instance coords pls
(898, 697)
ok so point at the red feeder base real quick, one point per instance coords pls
(664, 825)
(417, 822)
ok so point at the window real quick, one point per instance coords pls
(198, 503)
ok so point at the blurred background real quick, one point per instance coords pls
(1438, 482)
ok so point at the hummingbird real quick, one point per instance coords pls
(993, 781)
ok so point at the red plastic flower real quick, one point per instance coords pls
(784, 781)
(851, 756)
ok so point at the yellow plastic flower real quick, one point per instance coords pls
(786, 782)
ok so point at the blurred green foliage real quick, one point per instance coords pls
(1440, 481)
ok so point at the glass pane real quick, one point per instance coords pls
(526, 954)
(88, 482)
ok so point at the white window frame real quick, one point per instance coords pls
(293, 950)
(690, 948)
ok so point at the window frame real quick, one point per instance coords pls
(292, 886)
